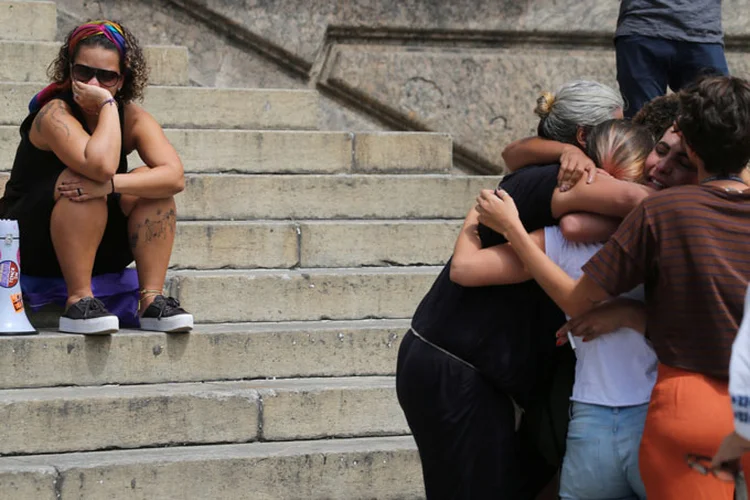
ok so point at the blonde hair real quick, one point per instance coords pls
(576, 104)
(620, 148)
(544, 104)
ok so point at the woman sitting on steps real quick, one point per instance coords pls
(80, 212)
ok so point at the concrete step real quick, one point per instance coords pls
(336, 469)
(302, 294)
(335, 243)
(197, 107)
(395, 196)
(23, 61)
(211, 352)
(286, 152)
(25, 20)
(220, 244)
(338, 243)
(69, 419)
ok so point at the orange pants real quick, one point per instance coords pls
(688, 413)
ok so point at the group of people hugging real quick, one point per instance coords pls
(584, 322)
(586, 318)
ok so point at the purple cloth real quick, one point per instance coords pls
(118, 292)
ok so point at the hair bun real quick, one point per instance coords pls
(544, 104)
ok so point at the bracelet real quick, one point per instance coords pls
(111, 99)
(112, 180)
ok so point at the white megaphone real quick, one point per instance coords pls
(13, 320)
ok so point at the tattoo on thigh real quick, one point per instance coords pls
(158, 228)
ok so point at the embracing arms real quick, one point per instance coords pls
(473, 265)
(573, 297)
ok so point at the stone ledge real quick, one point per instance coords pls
(211, 352)
(23, 20)
(338, 469)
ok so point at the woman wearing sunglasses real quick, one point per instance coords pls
(80, 212)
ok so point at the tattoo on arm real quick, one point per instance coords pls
(40, 116)
(57, 112)
(55, 109)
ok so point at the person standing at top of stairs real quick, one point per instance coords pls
(666, 42)
(80, 212)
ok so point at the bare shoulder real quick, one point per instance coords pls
(134, 113)
(138, 122)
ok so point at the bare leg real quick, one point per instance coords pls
(77, 229)
(151, 230)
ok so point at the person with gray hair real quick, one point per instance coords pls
(576, 107)
(564, 119)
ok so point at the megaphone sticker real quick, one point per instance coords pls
(8, 274)
(17, 300)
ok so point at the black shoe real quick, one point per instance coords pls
(89, 317)
(165, 315)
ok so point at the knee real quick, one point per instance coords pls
(131, 205)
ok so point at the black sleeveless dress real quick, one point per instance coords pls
(29, 199)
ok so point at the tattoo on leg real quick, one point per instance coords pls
(155, 229)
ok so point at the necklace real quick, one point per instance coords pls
(735, 178)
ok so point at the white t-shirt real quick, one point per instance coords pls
(615, 369)
(739, 374)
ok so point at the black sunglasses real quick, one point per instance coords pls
(83, 73)
(727, 472)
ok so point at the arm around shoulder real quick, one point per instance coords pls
(608, 196)
(531, 151)
(473, 265)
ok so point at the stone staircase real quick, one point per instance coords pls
(301, 253)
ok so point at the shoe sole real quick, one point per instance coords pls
(93, 326)
(182, 323)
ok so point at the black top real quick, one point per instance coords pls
(502, 330)
(35, 172)
(29, 199)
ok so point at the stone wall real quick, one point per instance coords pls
(472, 69)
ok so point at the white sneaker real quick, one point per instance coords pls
(89, 317)
(165, 315)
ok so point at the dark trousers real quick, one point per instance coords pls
(464, 429)
(646, 66)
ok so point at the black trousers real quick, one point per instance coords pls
(464, 429)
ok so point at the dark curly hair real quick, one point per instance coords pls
(658, 114)
(134, 67)
(714, 120)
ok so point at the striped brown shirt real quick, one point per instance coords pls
(690, 246)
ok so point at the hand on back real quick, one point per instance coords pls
(574, 164)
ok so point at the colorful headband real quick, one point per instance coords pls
(112, 31)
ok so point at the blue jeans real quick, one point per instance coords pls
(646, 65)
(601, 458)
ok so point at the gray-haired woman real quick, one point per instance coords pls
(564, 119)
